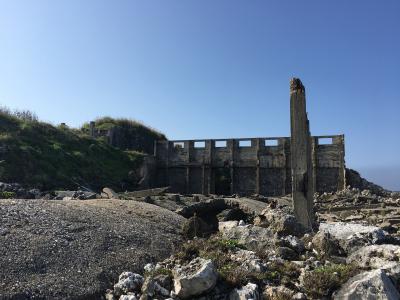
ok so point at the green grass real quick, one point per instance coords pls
(37, 154)
(131, 134)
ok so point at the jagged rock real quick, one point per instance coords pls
(286, 253)
(247, 292)
(326, 244)
(376, 256)
(110, 295)
(128, 297)
(374, 284)
(196, 227)
(249, 259)
(110, 193)
(277, 292)
(128, 282)
(227, 225)
(195, 278)
(152, 288)
(351, 236)
(279, 220)
(293, 242)
(253, 237)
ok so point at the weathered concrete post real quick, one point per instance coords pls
(301, 161)
(92, 126)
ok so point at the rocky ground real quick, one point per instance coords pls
(264, 254)
(169, 246)
(75, 249)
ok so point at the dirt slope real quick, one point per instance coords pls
(76, 249)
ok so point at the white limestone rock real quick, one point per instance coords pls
(128, 282)
(227, 225)
(195, 278)
(253, 237)
(247, 292)
(374, 284)
(352, 236)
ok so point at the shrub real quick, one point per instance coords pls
(7, 195)
(324, 280)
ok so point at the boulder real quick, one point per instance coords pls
(152, 288)
(286, 253)
(227, 225)
(195, 278)
(352, 236)
(325, 244)
(247, 292)
(110, 193)
(385, 257)
(374, 284)
(293, 242)
(196, 227)
(128, 282)
(253, 237)
(279, 220)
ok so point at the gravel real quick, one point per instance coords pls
(74, 249)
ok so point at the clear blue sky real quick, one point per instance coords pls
(212, 69)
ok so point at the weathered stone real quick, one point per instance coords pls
(351, 236)
(196, 227)
(293, 242)
(128, 282)
(195, 278)
(227, 225)
(286, 253)
(279, 221)
(277, 292)
(152, 288)
(326, 244)
(247, 292)
(110, 193)
(374, 284)
(253, 237)
(376, 256)
(301, 162)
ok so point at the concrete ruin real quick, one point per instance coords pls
(249, 166)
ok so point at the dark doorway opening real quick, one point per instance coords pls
(222, 181)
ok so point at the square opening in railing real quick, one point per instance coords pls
(179, 145)
(271, 143)
(220, 144)
(200, 144)
(325, 141)
(245, 143)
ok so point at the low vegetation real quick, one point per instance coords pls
(38, 154)
(322, 281)
(129, 134)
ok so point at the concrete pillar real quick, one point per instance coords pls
(92, 131)
(258, 184)
(301, 157)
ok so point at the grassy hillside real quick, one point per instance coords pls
(128, 134)
(40, 155)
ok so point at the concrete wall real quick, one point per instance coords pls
(244, 166)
